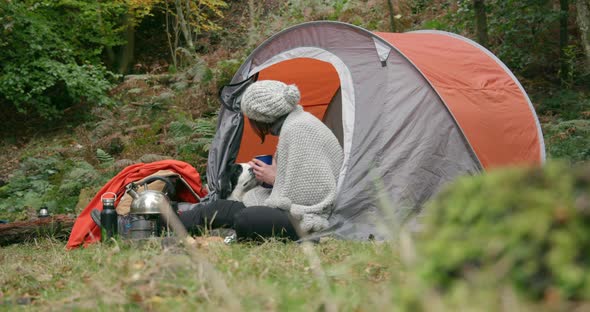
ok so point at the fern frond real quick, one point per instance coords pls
(103, 156)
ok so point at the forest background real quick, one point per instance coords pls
(89, 87)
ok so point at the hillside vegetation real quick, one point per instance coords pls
(63, 135)
(90, 87)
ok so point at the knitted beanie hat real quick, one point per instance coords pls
(267, 100)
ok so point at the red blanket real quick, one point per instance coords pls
(85, 231)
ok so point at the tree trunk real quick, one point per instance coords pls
(169, 37)
(481, 22)
(391, 16)
(128, 50)
(563, 40)
(57, 226)
(108, 49)
(185, 27)
(583, 9)
(110, 58)
(252, 14)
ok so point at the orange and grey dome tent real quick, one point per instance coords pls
(411, 110)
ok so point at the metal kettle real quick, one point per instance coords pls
(150, 202)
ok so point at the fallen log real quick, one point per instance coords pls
(57, 226)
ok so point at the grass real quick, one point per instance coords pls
(272, 276)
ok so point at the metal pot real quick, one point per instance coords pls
(149, 202)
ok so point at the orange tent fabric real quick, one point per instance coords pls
(85, 231)
(317, 81)
(486, 102)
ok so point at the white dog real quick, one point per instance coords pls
(245, 181)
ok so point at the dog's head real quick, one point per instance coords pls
(247, 180)
(242, 180)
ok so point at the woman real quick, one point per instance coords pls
(304, 172)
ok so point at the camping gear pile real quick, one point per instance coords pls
(138, 209)
(145, 216)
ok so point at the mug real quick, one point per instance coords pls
(267, 159)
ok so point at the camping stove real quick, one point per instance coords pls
(144, 226)
(146, 210)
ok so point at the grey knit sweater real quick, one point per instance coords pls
(308, 159)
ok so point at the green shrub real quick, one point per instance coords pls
(192, 139)
(568, 140)
(224, 71)
(48, 87)
(565, 104)
(51, 181)
(50, 54)
(527, 228)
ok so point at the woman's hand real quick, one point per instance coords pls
(263, 172)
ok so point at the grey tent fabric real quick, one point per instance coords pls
(397, 134)
(407, 141)
(226, 141)
(333, 116)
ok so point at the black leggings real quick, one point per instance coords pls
(250, 223)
